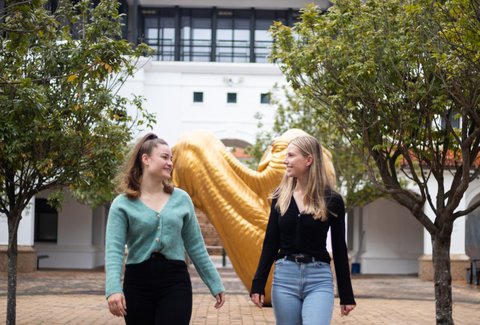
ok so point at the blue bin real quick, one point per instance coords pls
(355, 268)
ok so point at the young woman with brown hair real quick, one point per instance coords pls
(157, 223)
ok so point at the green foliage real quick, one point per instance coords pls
(295, 110)
(62, 121)
(392, 76)
(263, 139)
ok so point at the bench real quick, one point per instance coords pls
(473, 272)
(39, 257)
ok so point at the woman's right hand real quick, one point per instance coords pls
(258, 299)
(117, 304)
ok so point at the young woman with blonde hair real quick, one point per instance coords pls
(304, 207)
(157, 222)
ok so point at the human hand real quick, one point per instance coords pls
(258, 299)
(117, 304)
(220, 300)
(346, 309)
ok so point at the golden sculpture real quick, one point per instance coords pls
(234, 197)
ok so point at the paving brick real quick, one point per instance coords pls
(76, 298)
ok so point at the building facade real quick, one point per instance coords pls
(210, 67)
(210, 71)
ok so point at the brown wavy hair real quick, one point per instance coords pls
(130, 178)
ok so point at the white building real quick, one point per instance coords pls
(210, 72)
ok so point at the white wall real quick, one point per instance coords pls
(168, 88)
(99, 226)
(74, 248)
(74, 223)
(25, 228)
(393, 239)
(458, 232)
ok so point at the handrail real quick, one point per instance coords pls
(224, 254)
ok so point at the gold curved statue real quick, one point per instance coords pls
(234, 197)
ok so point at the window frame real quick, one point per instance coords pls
(265, 95)
(200, 93)
(230, 99)
(184, 49)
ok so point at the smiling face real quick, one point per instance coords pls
(159, 163)
(296, 163)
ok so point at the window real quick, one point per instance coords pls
(263, 39)
(454, 119)
(196, 35)
(211, 34)
(231, 98)
(46, 222)
(233, 36)
(123, 9)
(198, 97)
(159, 34)
(265, 98)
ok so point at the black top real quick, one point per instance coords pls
(295, 232)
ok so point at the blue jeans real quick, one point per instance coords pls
(302, 294)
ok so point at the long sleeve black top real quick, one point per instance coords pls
(295, 232)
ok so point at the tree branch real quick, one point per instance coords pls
(462, 213)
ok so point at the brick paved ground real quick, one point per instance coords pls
(76, 297)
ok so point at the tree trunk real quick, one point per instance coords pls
(442, 277)
(12, 269)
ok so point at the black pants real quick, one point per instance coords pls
(158, 292)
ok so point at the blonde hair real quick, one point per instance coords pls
(317, 181)
(130, 178)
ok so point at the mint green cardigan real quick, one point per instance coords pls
(144, 231)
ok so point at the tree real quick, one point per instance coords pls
(62, 121)
(395, 77)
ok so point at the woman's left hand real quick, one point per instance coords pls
(220, 299)
(346, 309)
